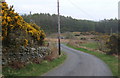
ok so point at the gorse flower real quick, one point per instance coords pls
(12, 22)
(25, 42)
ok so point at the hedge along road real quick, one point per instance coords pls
(80, 64)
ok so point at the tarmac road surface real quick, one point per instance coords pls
(80, 64)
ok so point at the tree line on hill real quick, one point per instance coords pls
(68, 24)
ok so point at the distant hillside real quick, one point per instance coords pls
(49, 24)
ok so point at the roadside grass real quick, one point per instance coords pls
(111, 61)
(92, 45)
(34, 69)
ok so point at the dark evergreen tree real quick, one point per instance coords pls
(49, 24)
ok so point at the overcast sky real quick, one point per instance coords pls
(80, 9)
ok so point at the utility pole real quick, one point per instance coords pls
(31, 17)
(118, 31)
(59, 46)
(119, 10)
(111, 32)
(31, 21)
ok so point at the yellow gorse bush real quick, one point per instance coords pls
(12, 21)
(25, 42)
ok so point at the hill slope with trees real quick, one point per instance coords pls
(49, 24)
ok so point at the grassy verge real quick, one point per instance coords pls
(111, 61)
(92, 45)
(34, 69)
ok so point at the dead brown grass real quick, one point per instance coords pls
(77, 43)
(17, 65)
(55, 40)
(53, 46)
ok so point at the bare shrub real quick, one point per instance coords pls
(37, 60)
(54, 52)
(16, 64)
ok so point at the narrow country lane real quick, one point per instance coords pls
(80, 64)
